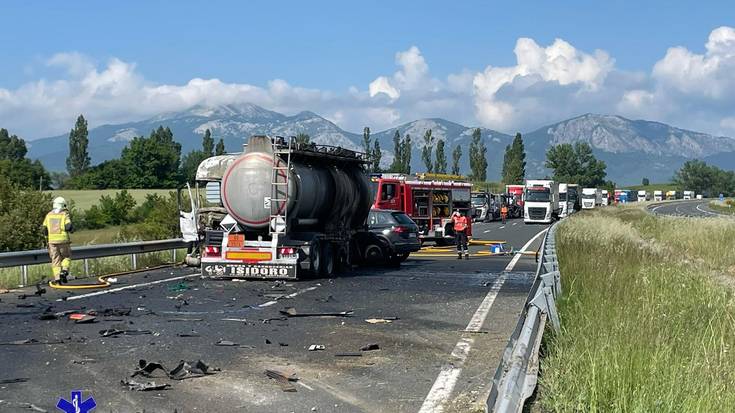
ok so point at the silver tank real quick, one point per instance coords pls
(321, 193)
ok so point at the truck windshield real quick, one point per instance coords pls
(538, 195)
(588, 196)
(478, 200)
(562, 196)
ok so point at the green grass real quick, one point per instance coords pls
(107, 235)
(654, 187)
(727, 207)
(83, 199)
(647, 316)
(11, 277)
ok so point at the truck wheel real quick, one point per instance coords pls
(315, 257)
(373, 254)
(327, 260)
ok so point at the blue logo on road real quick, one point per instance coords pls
(76, 405)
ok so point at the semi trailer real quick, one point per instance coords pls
(658, 195)
(591, 197)
(280, 209)
(605, 198)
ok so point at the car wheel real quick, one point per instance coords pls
(373, 254)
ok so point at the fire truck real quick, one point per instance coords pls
(430, 203)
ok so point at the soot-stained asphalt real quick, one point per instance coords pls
(430, 301)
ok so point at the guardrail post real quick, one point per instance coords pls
(24, 275)
(173, 255)
(134, 260)
(86, 267)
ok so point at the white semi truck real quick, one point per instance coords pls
(605, 198)
(540, 201)
(643, 196)
(564, 208)
(658, 195)
(688, 194)
(591, 197)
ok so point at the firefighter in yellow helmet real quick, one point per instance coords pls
(57, 226)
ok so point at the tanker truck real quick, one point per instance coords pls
(280, 209)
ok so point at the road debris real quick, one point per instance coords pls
(191, 369)
(191, 334)
(370, 347)
(170, 320)
(116, 312)
(147, 386)
(348, 354)
(80, 318)
(291, 312)
(225, 343)
(180, 286)
(283, 379)
(147, 368)
(383, 320)
(29, 341)
(111, 332)
(316, 347)
(11, 381)
(22, 405)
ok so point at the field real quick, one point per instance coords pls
(654, 187)
(647, 315)
(83, 199)
(724, 207)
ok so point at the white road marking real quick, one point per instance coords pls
(449, 374)
(515, 223)
(486, 231)
(706, 212)
(127, 287)
(292, 295)
(501, 227)
(518, 255)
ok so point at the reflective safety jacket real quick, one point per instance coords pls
(504, 210)
(57, 225)
(461, 224)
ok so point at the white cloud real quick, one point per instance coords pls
(546, 84)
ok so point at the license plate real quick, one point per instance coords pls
(231, 270)
(413, 235)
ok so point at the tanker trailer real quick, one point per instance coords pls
(289, 208)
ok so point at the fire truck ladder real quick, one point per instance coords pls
(279, 190)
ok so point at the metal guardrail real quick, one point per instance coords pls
(517, 374)
(34, 257)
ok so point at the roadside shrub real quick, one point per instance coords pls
(21, 217)
(161, 219)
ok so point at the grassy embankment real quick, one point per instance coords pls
(647, 316)
(83, 199)
(726, 207)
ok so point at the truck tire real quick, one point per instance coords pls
(315, 257)
(327, 260)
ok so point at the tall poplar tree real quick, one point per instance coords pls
(78, 161)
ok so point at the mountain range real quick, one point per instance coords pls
(632, 149)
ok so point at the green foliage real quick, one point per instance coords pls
(208, 144)
(16, 168)
(426, 151)
(114, 173)
(456, 156)
(397, 165)
(440, 166)
(153, 161)
(120, 209)
(702, 178)
(161, 219)
(406, 154)
(220, 149)
(366, 145)
(78, 160)
(478, 156)
(514, 162)
(576, 164)
(21, 215)
(377, 156)
(190, 163)
(645, 182)
(302, 139)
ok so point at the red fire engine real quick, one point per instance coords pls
(429, 203)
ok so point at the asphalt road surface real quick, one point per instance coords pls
(453, 320)
(693, 208)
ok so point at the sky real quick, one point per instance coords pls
(506, 66)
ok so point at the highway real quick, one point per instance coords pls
(688, 208)
(449, 323)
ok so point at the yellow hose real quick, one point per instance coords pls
(102, 280)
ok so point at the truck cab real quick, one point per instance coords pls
(591, 197)
(540, 201)
(605, 200)
(658, 195)
(688, 194)
(563, 201)
(643, 196)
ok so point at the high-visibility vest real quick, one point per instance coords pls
(56, 222)
(460, 223)
(504, 211)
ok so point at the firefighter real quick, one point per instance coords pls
(57, 226)
(462, 230)
(504, 212)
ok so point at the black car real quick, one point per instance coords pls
(398, 234)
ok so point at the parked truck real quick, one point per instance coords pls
(671, 195)
(658, 195)
(564, 209)
(591, 197)
(485, 207)
(605, 197)
(644, 195)
(540, 201)
(281, 208)
(688, 194)
(514, 197)
(573, 195)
